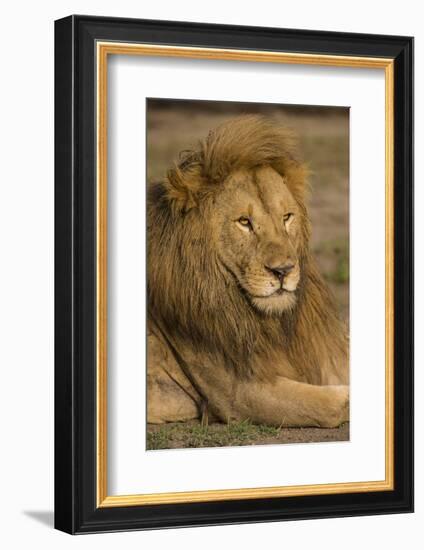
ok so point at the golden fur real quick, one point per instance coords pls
(235, 337)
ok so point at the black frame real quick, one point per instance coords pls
(75, 274)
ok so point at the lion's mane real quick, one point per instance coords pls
(191, 296)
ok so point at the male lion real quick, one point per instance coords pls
(240, 323)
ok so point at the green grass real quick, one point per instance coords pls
(216, 435)
(337, 253)
(341, 273)
(193, 435)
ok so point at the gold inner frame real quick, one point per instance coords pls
(103, 50)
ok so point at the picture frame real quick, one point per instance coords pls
(83, 45)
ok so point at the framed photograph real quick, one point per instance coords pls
(234, 274)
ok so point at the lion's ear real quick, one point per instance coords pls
(183, 187)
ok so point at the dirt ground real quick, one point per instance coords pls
(323, 133)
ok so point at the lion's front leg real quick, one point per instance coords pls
(170, 395)
(289, 403)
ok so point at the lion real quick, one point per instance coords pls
(241, 325)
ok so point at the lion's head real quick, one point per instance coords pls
(248, 186)
(229, 267)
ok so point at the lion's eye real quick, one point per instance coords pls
(245, 223)
(287, 219)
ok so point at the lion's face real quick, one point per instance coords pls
(257, 228)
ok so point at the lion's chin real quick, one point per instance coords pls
(276, 303)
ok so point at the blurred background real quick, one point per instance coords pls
(176, 125)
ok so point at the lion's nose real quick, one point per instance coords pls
(280, 271)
